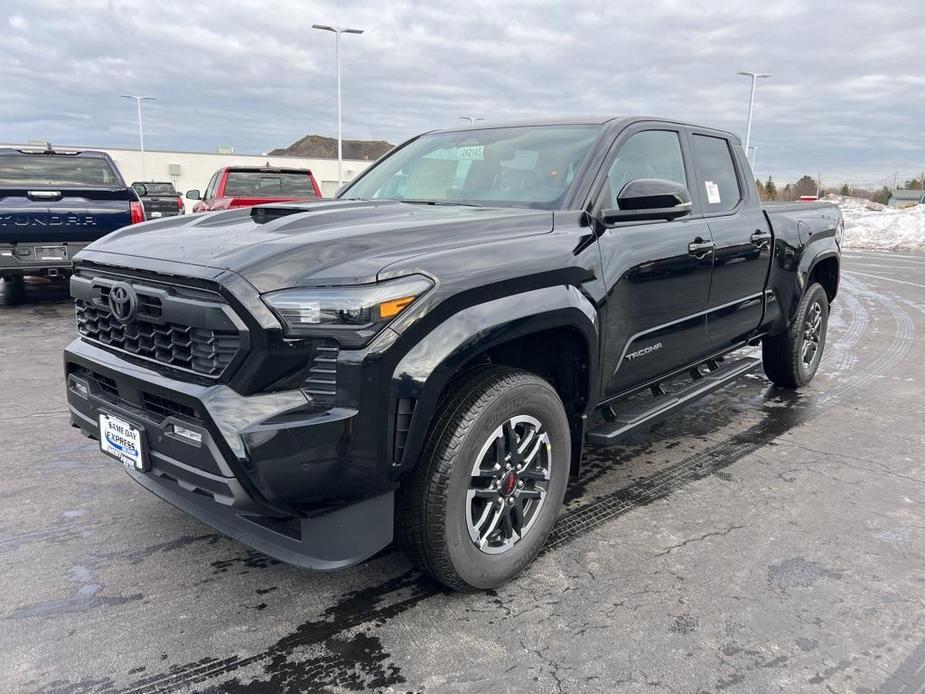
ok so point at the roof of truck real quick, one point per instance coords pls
(86, 153)
(268, 169)
(582, 120)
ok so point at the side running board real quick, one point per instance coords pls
(664, 403)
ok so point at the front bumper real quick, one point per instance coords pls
(26, 258)
(269, 469)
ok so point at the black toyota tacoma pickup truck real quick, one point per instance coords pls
(427, 355)
(55, 202)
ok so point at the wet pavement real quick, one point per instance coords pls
(761, 541)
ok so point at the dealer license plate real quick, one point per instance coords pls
(122, 441)
(50, 253)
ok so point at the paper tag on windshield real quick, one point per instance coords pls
(712, 192)
(470, 152)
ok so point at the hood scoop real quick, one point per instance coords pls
(262, 215)
(268, 213)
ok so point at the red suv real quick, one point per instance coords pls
(243, 186)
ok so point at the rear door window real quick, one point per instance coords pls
(720, 184)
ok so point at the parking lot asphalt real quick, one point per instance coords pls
(761, 541)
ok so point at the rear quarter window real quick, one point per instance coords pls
(721, 190)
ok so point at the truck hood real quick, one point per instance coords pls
(319, 243)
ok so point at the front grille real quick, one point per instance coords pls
(155, 404)
(149, 306)
(188, 329)
(106, 384)
(166, 407)
(206, 352)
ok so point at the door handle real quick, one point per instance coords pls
(700, 248)
(761, 238)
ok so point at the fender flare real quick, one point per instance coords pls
(423, 373)
(824, 248)
(809, 263)
(789, 283)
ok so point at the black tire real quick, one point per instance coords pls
(436, 518)
(785, 357)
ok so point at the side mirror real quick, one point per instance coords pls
(193, 195)
(140, 188)
(647, 199)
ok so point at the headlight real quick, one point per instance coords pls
(351, 314)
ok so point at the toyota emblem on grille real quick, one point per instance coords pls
(123, 302)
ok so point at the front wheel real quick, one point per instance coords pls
(791, 359)
(490, 483)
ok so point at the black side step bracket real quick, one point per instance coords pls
(666, 402)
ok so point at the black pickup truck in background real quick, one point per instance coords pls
(159, 198)
(53, 203)
(430, 353)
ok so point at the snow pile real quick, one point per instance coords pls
(871, 225)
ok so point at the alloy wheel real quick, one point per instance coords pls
(812, 333)
(508, 484)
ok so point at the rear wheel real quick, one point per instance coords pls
(490, 483)
(791, 359)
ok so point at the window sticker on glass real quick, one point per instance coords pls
(712, 193)
(470, 152)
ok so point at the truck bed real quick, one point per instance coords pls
(797, 206)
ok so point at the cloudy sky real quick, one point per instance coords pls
(846, 97)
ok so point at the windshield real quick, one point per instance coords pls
(155, 188)
(530, 166)
(265, 184)
(56, 169)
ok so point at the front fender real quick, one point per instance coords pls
(423, 373)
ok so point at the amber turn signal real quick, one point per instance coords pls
(389, 309)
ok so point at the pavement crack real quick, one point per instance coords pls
(553, 666)
(32, 415)
(883, 468)
(701, 538)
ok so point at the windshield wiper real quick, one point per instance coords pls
(412, 201)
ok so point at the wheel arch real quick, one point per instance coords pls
(504, 331)
(793, 272)
(825, 270)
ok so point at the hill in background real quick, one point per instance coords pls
(326, 148)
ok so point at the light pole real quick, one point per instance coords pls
(141, 130)
(754, 149)
(751, 102)
(471, 119)
(337, 32)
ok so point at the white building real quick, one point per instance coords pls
(188, 170)
(906, 198)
